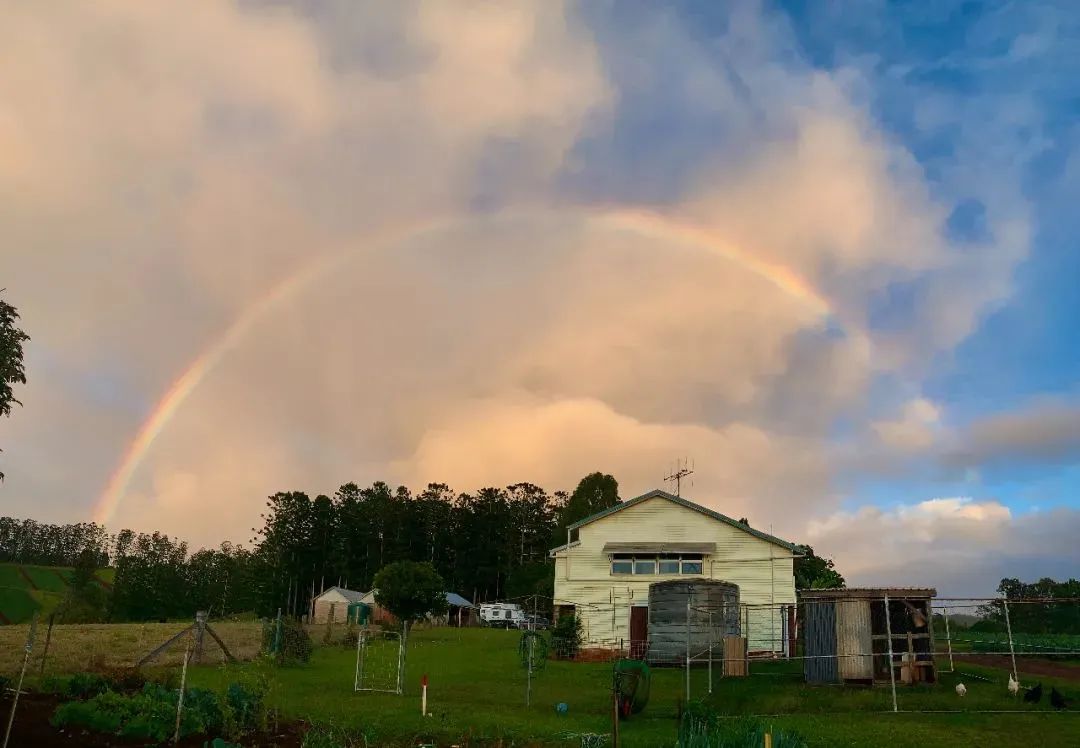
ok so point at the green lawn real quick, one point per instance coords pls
(48, 578)
(477, 688)
(43, 586)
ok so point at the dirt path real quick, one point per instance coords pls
(1024, 665)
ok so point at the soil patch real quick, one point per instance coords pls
(32, 728)
(1024, 665)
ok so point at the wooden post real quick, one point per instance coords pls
(28, 647)
(48, 638)
(768, 740)
(200, 630)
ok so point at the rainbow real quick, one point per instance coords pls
(641, 222)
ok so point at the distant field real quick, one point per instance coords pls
(75, 647)
(25, 588)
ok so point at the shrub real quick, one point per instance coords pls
(566, 636)
(86, 685)
(289, 644)
(245, 705)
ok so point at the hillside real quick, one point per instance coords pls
(25, 588)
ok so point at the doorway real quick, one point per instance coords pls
(639, 631)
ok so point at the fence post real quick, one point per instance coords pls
(29, 647)
(888, 632)
(711, 633)
(1008, 627)
(277, 633)
(948, 637)
(48, 638)
(688, 652)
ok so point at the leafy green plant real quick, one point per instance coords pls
(148, 714)
(245, 705)
(566, 636)
(286, 642)
(702, 727)
(86, 685)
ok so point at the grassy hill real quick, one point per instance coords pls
(25, 588)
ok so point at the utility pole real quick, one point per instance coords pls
(681, 470)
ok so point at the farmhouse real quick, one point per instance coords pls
(611, 558)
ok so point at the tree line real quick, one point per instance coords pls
(486, 545)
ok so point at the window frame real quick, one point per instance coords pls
(680, 560)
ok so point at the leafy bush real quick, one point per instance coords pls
(566, 636)
(86, 685)
(410, 590)
(149, 714)
(288, 643)
(245, 706)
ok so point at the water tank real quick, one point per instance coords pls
(713, 614)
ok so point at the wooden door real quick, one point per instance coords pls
(639, 631)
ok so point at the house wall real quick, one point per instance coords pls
(322, 610)
(763, 571)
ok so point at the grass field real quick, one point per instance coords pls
(25, 588)
(477, 689)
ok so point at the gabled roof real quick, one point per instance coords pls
(658, 494)
(351, 595)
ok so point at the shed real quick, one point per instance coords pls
(694, 614)
(336, 599)
(846, 636)
(460, 612)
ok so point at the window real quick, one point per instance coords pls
(645, 565)
(691, 566)
(669, 566)
(652, 564)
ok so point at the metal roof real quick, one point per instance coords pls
(702, 548)
(658, 494)
(351, 595)
(452, 598)
(844, 593)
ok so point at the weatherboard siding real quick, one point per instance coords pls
(583, 571)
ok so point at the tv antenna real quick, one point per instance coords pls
(681, 469)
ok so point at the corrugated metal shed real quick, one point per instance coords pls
(819, 629)
(854, 640)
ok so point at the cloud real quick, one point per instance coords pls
(915, 428)
(1042, 433)
(163, 170)
(961, 546)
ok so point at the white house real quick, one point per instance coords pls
(604, 571)
(336, 599)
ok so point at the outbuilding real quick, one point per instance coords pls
(846, 634)
(338, 603)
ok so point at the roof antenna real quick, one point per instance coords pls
(682, 469)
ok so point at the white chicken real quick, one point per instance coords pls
(1014, 687)
(961, 689)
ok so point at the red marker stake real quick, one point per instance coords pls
(423, 695)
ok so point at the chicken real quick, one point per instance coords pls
(961, 689)
(1034, 695)
(1014, 687)
(1057, 700)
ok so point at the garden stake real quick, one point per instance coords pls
(26, 660)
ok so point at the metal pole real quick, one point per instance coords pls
(360, 642)
(688, 652)
(401, 657)
(1008, 627)
(888, 632)
(948, 638)
(528, 669)
(277, 633)
(29, 647)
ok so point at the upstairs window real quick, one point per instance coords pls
(653, 564)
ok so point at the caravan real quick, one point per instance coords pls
(502, 615)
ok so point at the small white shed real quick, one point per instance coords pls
(337, 599)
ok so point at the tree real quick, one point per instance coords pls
(410, 590)
(85, 601)
(813, 572)
(11, 358)
(594, 493)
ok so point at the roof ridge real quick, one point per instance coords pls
(661, 494)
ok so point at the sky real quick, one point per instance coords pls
(823, 249)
